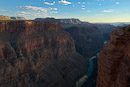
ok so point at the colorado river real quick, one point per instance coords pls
(83, 79)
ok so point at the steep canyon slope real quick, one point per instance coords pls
(88, 39)
(114, 60)
(38, 54)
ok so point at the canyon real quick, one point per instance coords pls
(114, 60)
(50, 53)
(38, 54)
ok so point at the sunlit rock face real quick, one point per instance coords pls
(114, 60)
(4, 17)
(38, 54)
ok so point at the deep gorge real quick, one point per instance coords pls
(44, 54)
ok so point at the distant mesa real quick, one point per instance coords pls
(2, 17)
(121, 24)
(64, 21)
(18, 18)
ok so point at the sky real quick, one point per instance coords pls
(85, 10)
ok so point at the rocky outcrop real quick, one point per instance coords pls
(114, 60)
(88, 39)
(64, 21)
(18, 18)
(38, 54)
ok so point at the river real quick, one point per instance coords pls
(83, 79)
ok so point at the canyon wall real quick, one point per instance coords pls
(114, 60)
(106, 29)
(38, 54)
(88, 39)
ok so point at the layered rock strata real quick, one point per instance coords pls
(38, 54)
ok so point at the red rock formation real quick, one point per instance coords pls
(114, 60)
(38, 54)
(28, 27)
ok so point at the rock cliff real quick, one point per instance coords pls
(88, 39)
(114, 60)
(38, 54)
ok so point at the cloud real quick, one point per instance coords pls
(47, 3)
(64, 2)
(54, 12)
(33, 8)
(83, 5)
(109, 10)
(2, 10)
(53, 8)
(83, 8)
(79, 2)
(117, 3)
(22, 12)
(88, 11)
(99, 14)
(33, 11)
(99, 0)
